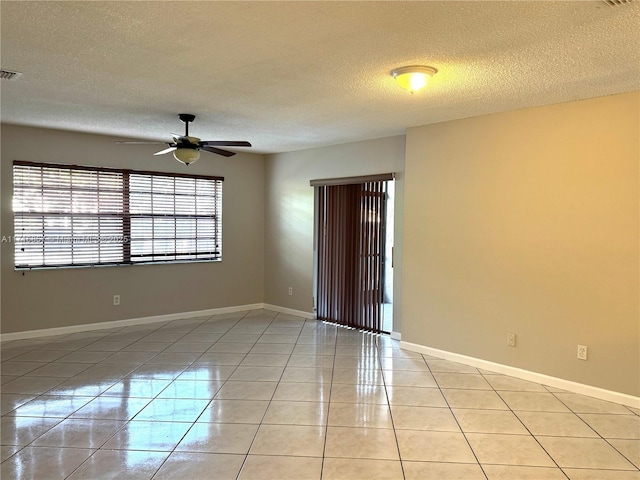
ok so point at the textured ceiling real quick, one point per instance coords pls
(294, 75)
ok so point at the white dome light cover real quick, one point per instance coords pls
(414, 77)
(186, 155)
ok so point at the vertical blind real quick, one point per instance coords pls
(79, 216)
(351, 242)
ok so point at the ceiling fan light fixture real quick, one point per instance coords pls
(186, 149)
(186, 155)
(414, 77)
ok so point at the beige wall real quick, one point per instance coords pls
(289, 212)
(522, 222)
(54, 298)
(527, 222)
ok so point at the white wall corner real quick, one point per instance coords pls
(568, 385)
(396, 336)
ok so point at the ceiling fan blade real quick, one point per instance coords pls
(219, 151)
(224, 143)
(166, 150)
(141, 143)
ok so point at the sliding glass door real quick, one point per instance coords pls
(350, 258)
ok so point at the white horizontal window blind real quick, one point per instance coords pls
(82, 216)
(174, 218)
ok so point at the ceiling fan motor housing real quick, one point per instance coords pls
(186, 117)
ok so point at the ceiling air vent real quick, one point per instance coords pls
(9, 75)
(617, 3)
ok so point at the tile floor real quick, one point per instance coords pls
(261, 395)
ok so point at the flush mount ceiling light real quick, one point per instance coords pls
(413, 78)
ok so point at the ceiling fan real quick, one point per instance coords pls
(186, 149)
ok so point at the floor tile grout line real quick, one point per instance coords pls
(228, 378)
(138, 367)
(523, 424)
(97, 449)
(455, 418)
(326, 423)
(531, 411)
(246, 457)
(94, 364)
(127, 422)
(270, 401)
(393, 425)
(62, 419)
(69, 415)
(335, 357)
(118, 331)
(576, 414)
(595, 431)
(206, 406)
(105, 339)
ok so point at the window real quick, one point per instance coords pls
(68, 216)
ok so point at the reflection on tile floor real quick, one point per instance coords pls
(262, 395)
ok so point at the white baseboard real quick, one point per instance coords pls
(541, 378)
(396, 336)
(288, 311)
(87, 327)
(47, 332)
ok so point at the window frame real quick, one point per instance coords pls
(212, 219)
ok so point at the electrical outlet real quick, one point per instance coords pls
(582, 352)
(116, 299)
(511, 339)
(290, 291)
